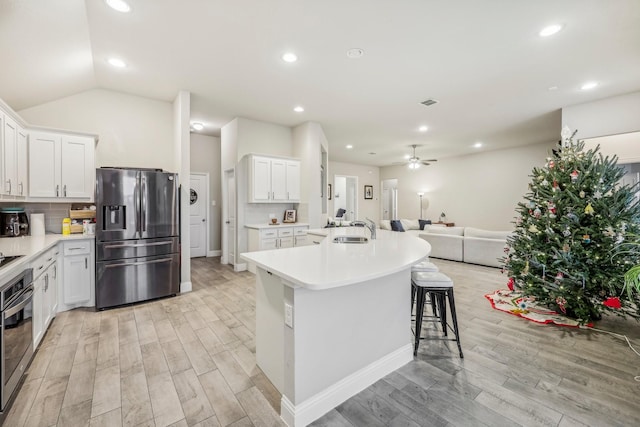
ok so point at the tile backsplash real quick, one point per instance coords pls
(53, 213)
(258, 213)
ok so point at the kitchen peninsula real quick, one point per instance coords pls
(333, 318)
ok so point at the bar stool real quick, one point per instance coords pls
(426, 266)
(440, 287)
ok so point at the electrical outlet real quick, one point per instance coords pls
(288, 315)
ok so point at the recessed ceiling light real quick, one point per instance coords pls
(117, 62)
(589, 85)
(423, 128)
(289, 57)
(348, 146)
(550, 30)
(197, 126)
(355, 53)
(298, 109)
(119, 5)
(477, 145)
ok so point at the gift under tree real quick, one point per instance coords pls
(576, 214)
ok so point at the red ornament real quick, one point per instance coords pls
(574, 175)
(551, 164)
(613, 302)
(510, 283)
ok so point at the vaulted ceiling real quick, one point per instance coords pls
(482, 60)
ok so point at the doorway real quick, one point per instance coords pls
(199, 214)
(228, 217)
(345, 196)
(389, 199)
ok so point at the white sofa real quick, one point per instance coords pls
(446, 242)
(484, 247)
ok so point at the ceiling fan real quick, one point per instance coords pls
(414, 161)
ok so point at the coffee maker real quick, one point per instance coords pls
(13, 222)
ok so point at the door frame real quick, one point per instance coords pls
(207, 206)
(224, 258)
(356, 198)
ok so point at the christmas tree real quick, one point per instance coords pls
(574, 218)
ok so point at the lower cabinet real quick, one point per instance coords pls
(77, 274)
(277, 237)
(45, 294)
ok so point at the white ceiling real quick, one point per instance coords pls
(483, 60)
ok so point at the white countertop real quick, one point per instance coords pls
(329, 265)
(29, 247)
(279, 225)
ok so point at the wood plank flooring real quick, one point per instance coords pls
(190, 361)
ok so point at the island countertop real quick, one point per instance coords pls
(329, 265)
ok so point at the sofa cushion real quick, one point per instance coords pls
(385, 224)
(423, 222)
(452, 231)
(486, 234)
(410, 224)
(396, 225)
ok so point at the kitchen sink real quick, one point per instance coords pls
(350, 239)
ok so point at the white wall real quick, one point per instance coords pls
(134, 131)
(477, 190)
(367, 175)
(309, 141)
(205, 158)
(609, 116)
(263, 138)
(228, 145)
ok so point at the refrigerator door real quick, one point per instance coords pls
(106, 251)
(118, 204)
(159, 204)
(131, 280)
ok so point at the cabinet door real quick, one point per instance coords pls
(286, 242)
(279, 180)
(38, 327)
(77, 167)
(46, 302)
(22, 162)
(301, 240)
(53, 289)
(10, 130)
(44, 165)
(293, 181)
(268, 244)
(77, 279)
(261, 180)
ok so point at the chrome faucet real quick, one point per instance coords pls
(371, 225)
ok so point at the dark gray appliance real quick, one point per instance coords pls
(137, 236)
(13, 222)
(16, 337)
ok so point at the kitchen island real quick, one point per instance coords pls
(333, 318)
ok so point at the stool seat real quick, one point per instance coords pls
(424, 266)
(431, 279)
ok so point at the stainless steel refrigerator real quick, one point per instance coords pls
(137, 236)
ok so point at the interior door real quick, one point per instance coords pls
(198, 224)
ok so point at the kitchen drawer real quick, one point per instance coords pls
(300, 231)
(41, 263)
(268, 233)
(79, 247)
(285, 232)
(266, 244)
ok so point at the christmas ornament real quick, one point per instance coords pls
(551, 207)
(597, 194)
(572, 216)
(551, 164)
(581, 194)
(532, 204)
(537, 213)
(561, 304)
(533, 228)
(510, 283)
(519, 220)
(574, 176)
(609, 232)
(525, 271)
(613, 302)
(544, 183)
(620, 239)
(559, 277)
(566, 232)
(586, 238)
(566, 248)
(589, 209)
(555, 184)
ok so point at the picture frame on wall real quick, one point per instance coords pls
(289, 215)
(329, 192)
(368, 192)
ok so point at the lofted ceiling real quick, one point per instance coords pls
(483, 60)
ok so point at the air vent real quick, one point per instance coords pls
(429, 102)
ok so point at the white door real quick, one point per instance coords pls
(261, 179)
(198, 223)
(229, 218)
(77, 279)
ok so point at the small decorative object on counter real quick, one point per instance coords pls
(289, 215)
(66, 226)
(443, 217)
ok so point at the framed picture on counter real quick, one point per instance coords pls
(368, 192)
(289, 215)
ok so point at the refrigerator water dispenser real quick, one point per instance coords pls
(114, 217)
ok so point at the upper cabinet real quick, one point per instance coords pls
(61, 166)
(273, 180)
(14, 161)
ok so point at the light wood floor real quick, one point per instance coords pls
(190, 360)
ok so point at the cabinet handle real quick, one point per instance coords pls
(58, 190)
(86, 263)
(55, 271)
(64, 189)
(49, 259)
(9, 182)
(40, 268)
(21, 188)
(46, 282)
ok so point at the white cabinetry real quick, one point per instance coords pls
(273, 180)
(277, 237)
(77, 274)
(61, 166)
(14, 158)
(45, 296)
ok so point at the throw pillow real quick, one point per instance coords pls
(385, 224)
(396, 225)
(424, 222)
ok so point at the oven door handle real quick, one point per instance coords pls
(19, 305)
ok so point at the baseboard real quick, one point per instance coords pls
(240, 267)
(321, 403)
(214, 253)
(185, 287)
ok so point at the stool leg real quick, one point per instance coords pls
(419, 309)
(413, 295)
(454, 319)
(443, 311)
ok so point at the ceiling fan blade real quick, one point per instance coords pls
(426, 163)
(430, 160)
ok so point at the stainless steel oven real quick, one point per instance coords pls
(16, 338)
